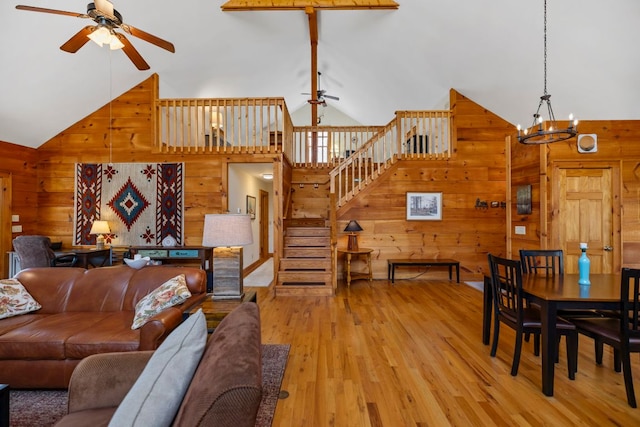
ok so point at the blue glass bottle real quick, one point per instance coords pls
(583, 267)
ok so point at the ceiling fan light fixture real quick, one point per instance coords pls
(100, 35)
(544, 131)
(114, 42)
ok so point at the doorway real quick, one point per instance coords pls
(586, 209)
(252, 181)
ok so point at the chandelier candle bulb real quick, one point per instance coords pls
(584, 265)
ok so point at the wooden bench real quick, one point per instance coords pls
(393, 263)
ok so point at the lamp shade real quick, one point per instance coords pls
(100, 227)
(227, 230)
(353, 226)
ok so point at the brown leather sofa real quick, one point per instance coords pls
(85, 312)
(225, 391)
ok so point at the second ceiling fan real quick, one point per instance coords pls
(107, 20)
(321, 94)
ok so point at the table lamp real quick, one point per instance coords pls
(100, 228)
(352, 228)
(227, 233)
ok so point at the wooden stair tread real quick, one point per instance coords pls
(305, 268)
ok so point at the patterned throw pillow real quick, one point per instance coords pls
(14, 299)
(172, 292)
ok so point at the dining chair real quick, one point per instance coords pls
(621, 332)
(510, 308)
(551, 262)
(542, 261)
(35, 251)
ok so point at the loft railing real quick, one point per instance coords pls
(328, 145)
(263, 125)
(237, 125)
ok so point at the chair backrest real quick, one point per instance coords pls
(34, 251)
(542, 261)
(630, 304)
(506, 285)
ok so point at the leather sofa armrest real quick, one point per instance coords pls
(103, 380)
(159, 327)
(192, 301)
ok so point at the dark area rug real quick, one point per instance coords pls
(42, 408)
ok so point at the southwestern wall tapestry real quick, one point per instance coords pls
(142, 202)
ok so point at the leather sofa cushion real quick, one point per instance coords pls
(11, 323)
(112, 334)
(70, 335)
(50, 286)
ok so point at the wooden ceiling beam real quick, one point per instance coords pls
(313, 38)
(245, 5)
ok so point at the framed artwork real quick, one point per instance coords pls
(523, 199)
(424, 206)
(251, 206)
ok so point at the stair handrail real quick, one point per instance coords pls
(368, 165)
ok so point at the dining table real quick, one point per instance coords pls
(553, 293)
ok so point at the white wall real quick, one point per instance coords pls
(329, 116)
(242, 184)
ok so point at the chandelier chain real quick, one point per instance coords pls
(545, 47)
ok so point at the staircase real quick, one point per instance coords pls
(305, 268)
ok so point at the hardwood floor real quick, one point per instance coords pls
(412, 355)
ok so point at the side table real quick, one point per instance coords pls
(4, 405)
(215, 311)
(350, 275)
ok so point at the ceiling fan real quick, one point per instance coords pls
(108, 20)
(321, 94)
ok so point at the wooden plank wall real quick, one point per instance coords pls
(20, 185)
(466, 233)
(52, 181)
(618, 142)
(525, 170)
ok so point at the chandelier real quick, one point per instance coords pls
(546, 131)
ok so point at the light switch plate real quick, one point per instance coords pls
(521, 229)
(15, 218)
(16, 229)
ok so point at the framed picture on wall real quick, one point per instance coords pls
(251, 207)
(424, 206)
(523, 199)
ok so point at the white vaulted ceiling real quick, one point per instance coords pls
(377, 62)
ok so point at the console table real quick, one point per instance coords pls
(183, 255)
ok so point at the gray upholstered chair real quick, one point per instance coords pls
(35, 251)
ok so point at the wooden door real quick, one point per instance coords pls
(586, 209)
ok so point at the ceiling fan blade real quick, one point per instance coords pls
(132, 53)
(331, 97)
(54, 11)
(78, 40)
(105, 7)
(149, 37)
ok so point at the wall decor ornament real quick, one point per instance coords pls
(424, 206)
(251, 207)
(143, 202)
(523, 199)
